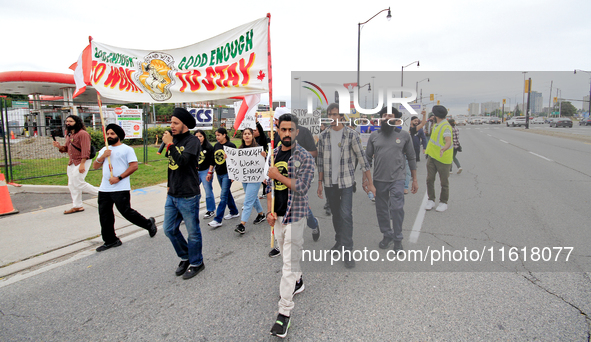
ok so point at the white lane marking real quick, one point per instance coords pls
(537, 155)
(416, 227)
(503, 141)
(489, 135)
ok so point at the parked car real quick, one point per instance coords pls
(539, 120)
(562, 122)
(585, 122)
(461, 122)
(494, 120)
(476, 121)
(516, 121)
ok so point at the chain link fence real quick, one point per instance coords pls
(27, 134)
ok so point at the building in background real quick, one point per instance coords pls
(535, 102)
(473, 109)
(489, 107)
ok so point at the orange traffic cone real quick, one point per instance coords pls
(6, 207)
(12, 135)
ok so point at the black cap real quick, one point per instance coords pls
(185, 117)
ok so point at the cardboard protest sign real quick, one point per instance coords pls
(245, 165)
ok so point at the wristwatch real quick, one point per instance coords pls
(120, 178)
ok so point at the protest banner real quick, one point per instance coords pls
(245, 165)
(234, 63)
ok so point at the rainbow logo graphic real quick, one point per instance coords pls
(316, 92)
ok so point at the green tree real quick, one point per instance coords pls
(567, 109)
(517, 111)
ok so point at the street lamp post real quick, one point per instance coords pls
(589, 104)
(368, 90)
(389, 16)
(373, 78)
(417, 88)
(402, 76)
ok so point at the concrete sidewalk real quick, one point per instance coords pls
(33, 238)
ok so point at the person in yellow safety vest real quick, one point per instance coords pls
(440, 153)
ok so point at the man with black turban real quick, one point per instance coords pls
(116, 188)
(182, 202)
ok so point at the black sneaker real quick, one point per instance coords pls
(316, 233)
(386, 242)
(260, 218)
(281, 326)
(397, 247)
(240, 228)
(209, 214)
(182, 267)
(193, 271)
(109, 245)
(275, 252)
(349, 262)
(337, 247)
(153, 229)
(299, 286)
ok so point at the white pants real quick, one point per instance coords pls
(78, 185)
(290, 239)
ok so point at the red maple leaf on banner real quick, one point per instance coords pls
(261, 75)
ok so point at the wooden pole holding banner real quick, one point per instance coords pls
(100, 104)
(272, 136)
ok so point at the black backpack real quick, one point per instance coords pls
(92, 150)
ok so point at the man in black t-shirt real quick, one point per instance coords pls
(290, 175)
(182, 150)
(306, 140)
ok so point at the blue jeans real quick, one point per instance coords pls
(311, 221)
(407, 179)
(341, 206)
(179, 209)
(208, 187)
(225, 198)
(251, 199)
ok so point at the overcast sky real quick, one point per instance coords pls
(318, 36)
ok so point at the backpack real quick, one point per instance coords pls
(92, 150)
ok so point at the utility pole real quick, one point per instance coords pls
(550, 98)
(527, 110)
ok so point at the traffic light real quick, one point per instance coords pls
(438, 102)
(504, 101)
(432, 97)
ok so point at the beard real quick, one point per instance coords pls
(285, 142)
(113, 141)
(69, 128)
(386, 128)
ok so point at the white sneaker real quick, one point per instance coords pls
(215, 224)
(441, 207)
(230, 216)
(430, 205)
(459, 170)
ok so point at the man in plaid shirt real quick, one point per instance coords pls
(339, 148)
(290, 176)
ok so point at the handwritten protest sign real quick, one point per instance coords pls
(310, 121)
(245, 164)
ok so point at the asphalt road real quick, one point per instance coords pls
(516, 190)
